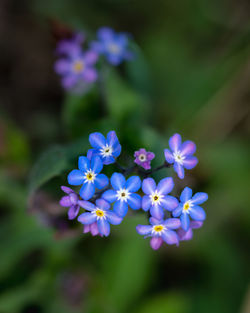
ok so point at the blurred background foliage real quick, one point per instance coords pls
(191, 76)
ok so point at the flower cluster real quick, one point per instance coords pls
(107, 201)
(77, 67)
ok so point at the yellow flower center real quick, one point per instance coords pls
(99, 213)
(186, 206)
(90, 176)
(158, 228)
(78, 66)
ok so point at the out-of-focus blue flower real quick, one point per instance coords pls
(160, 230)
(181, 154)
(99, 214)
(144, 158)
(123, 193)
(70, 201)
(188, 235)
(114, 46)
(88, 176)
(108, 149)
(77, 69)
(156, 198)
(189, 206)
(71, 46)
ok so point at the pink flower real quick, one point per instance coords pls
(144, 158)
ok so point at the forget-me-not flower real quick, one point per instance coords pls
(144, 158)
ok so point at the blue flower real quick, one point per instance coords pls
(108, 149)
(156, 198)
(123, 193)
(181, 155)
(113, 45)
(189, 206)
(160, 231)
(100, 214)
(88, 176)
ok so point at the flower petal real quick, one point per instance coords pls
(188, 148)
(62, 66)
(90, 75)
(73, 211)
(199, 198)
(169, 203)
(165, 185)
(150, 156)
(90, 57)
(186, 194)
(168, 156)
(156, 243)
(87, 218)
(185, 235)
(65, 201)
(134, 201)
(87, 205)
(179, 170)
(87, 191)
(170, 237)
(109, 195)
(155, 221)
(96, 164)
(108, 160)
(117, 181)
(172, 223)
(67, 189)
(175, 142)
(94, 229)
(112, 139)
(144, 229)
(101, 181)
(103, 227)
(83, 163)
(75, 177)
(185, 221)
(120, 208)
(105, 33)
(102, 204)
(190, 162)
(157, 211)
(133, 184)
(97, 140)
(178, 210)
(196, 224)
(113, 218)
(117, 151)
(146, 203)
(197, 213)
(148, 186)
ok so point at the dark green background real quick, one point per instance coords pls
(191, 76)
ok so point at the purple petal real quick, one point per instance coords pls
(133, 184)
(156, 242)
(87, 191)
(155, 221)
(170, 237)
(69, 81)
(117, 181)
(186, 194)
(150, 156)
(87, 218)
(168, 156)
(197, 213)
(120, 208)
(62, 66)
(109, 195)
(90, 75)
(105, 33)
(170, 203)
(156, 211)
(196, 224)
(190, 162)
(73, 211)
(173, 223)
(90, 57)
(83, 163)
(86, 228)
(175, 142)
(73, 198)
(94, 229)
(199, 198)
(113, 218)
(134, 201)
(185, 222)
(97, 46)
(102, 204)
(146, 203)
(143, 229)
(97, 140)
(188, 148)
(103, 227)
(75, 177)
(87, 205)
(185, 235)
(148, 186)
(101, 181)
(66, 189)
(179, 170)
(65, 201)
(165, 185)
(178, 210)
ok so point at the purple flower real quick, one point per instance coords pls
(160, 231)
(156, 198)
(71, 201)
(70, 46)
(143, 158)
(181, 155)
(114, 46)
(107, 149)
(77, 69)
(188, 235)
(189, 206)
(88, 176)
(99, 214)
(92, 228)
(123, 193)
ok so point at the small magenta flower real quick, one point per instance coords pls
(108, 149)
(114, 46)
(70, 46)
(156, 198)
(190, 206)
(188, 235)
(144, 158)
(99, 214)
(91, 228)
(88, 176)
(71, 201)
(77, 69)
(123, 193)
(181, 155)
(160, 231)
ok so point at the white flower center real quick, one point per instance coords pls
(114, 48)
(106, 151)
(158, 229)
(99, 213)
(142, 157)
(179, 157)
(156, 197)
(122, 194)
(186, 206)
(89, 176)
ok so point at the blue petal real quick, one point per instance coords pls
(103, 227)
(105, 33)
(134, 201)
(186, 194)
(172, 223)
(178, 210)
(87, 205)
(83, 163)
(144, 229)
(179, 170)
(157, 211)
(96, 164)
(87, 218)
(109, 195)
(146, 203)
(87, 191)
(113, 218)
(97, 140)
(199, 198)
(165, 185)
(91, 153)
(108, 160)
(120, 208)
(101, 181)
(117, 181)
(114, 59)
(197, 213)
(75, 177)
(190, 162)
(102, 204)
(155, 221)
(148, 186)
(185, 221)
(175, 142)
(112, 139)
(117, 151)
(133, 184)
(188, 148)
(170, 237)
(170, 203)
(168, 156)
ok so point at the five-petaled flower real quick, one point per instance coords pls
(123, 193)
(156, 198)
(108, 149)
(114, 46)
(189, 206)
(181, 154)
(160, 230)
(88, 176)
(188, 235)
(71, 201)
(144, 158)
(99, 214)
